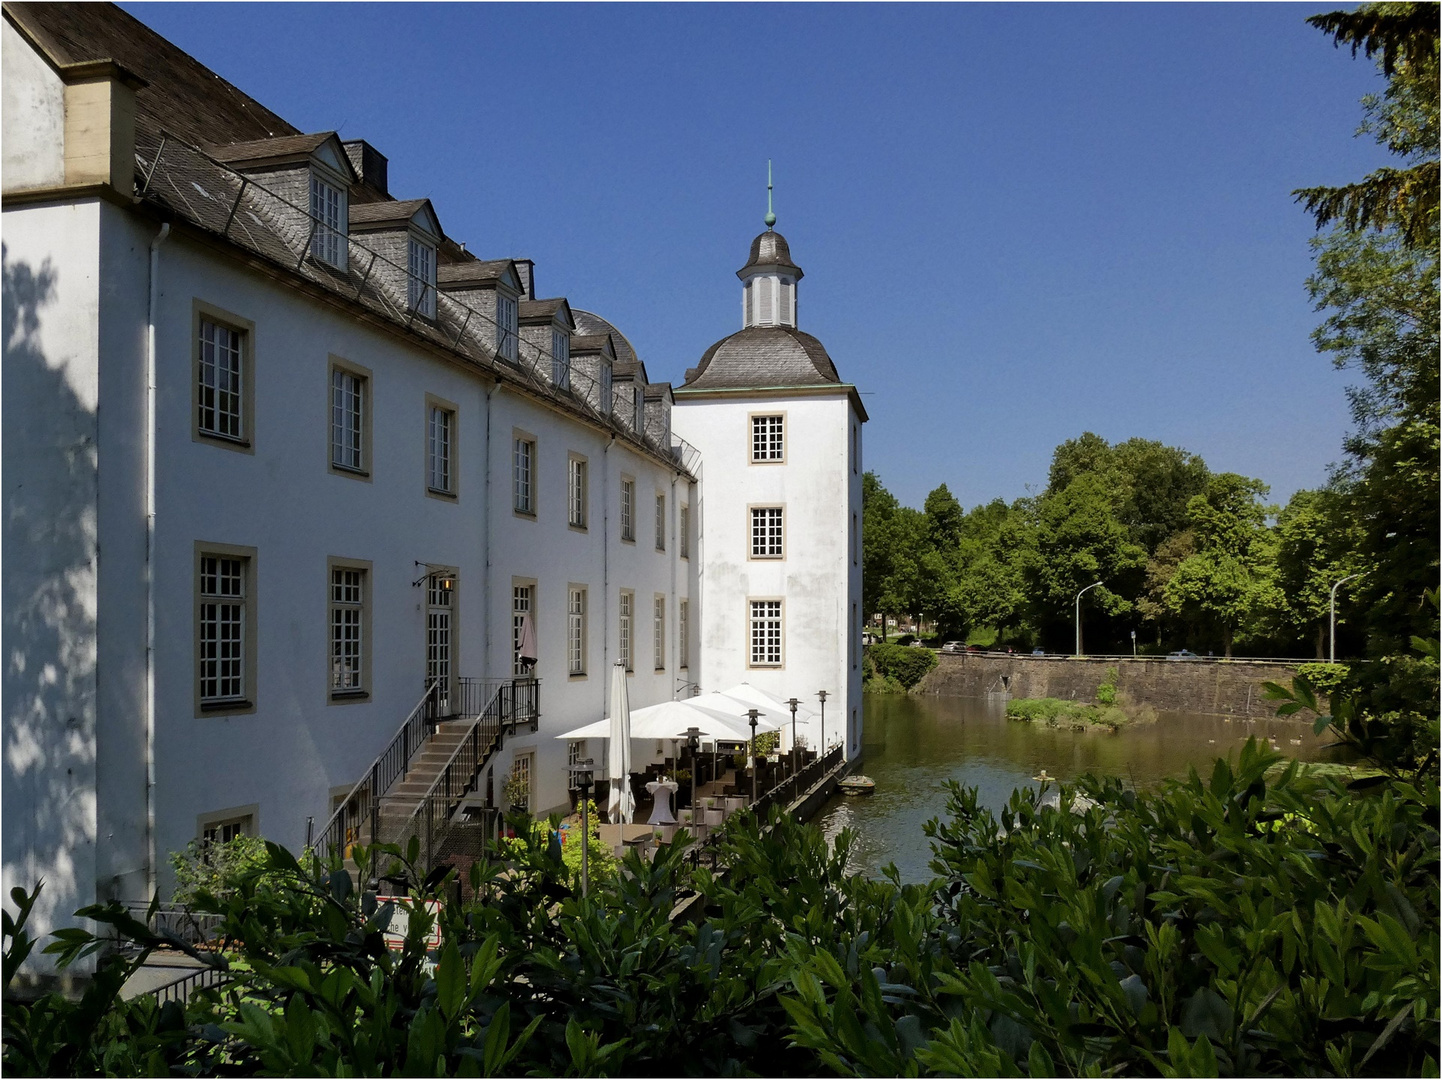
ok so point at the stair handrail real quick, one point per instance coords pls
(451, 784)
(409, 738)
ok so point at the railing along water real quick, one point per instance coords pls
(361, 806)
(510, 704)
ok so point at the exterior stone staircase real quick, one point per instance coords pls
(400, 803)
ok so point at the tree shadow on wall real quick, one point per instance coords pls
(48, 586)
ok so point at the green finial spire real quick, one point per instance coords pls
(770, 215)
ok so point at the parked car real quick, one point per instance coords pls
(973, 648)
(1038, 652)
(1183, 654)
(953, 647)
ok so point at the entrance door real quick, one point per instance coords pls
(440, 636)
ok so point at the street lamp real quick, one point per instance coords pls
(584, 778)
(1134, 644)
(793, 703)
(755, 771)
(1332, 653)
(692, 735)
(822, 695)
(1093, 585)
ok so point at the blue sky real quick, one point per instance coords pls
(1017, 222)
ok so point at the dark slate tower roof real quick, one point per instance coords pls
(763, 356)
(770, 249)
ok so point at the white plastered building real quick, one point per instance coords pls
(280, 456)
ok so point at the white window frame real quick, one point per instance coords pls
(507, 326)
(421, 276)
(441, 454)
(224, 669)
(560, 359)
(575, 754)
(330, 217)
(523, 764)
(660, 521)
(639, 406)
(223, 826)
(685, 529)
(767, 532)
(577, 484)
(349, 419)
(765, 632)
(628, 509)
(683, 629)
(626, 630)
(605, 402)
(221, 381)
(523, 603)
(658, 630)
(768, 438)
(348, 628)
(523, 473)
(576, 631)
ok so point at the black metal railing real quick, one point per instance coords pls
(511, 704)
(180, 989)
(793, 787)
(176, 921)
(355, 820)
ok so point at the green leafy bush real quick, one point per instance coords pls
(1239, 925)
(1326, 679)
(882, 684)
(902, 663)
(215, 867)
(1107, 691)
(1056, 712)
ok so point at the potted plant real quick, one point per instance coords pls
(517, 793)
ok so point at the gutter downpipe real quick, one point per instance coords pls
(150, 428)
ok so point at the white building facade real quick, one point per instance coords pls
(280, 454)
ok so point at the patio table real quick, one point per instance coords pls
(661, 792)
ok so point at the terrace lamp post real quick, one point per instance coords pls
(752, 714)
(1332, 636)
(584, 779)
(1093, 585)
(692, 735)
(822, 695)
(1134, 644)
(793, 703)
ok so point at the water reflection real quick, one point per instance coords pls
(914, 745)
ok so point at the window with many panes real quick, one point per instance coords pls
(628, 510)
(685, 532)
(768, 438)
(222, 623)
(638, 404)
(576, 486)
(561, 359)
(221, 381)
(605, 389)
(523, 475)
(522, 605)
(421, 262)
(330, 218)
(507, 331)
(347, 629)
(683, 631)
(628, 600)
(767, 532)
(347, 419)
(576, 630)
(658, 631)
(660, 522)
(520, 786)
(575, 754)
(222, 830)
(440, 436)
(765, 633)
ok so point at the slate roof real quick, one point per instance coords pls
(770, 249)
(394, 210)
(184, 96)
(763, 356)
(472, 272)
(627, 363)
(589, 343)
(534, 312)
(255, 149)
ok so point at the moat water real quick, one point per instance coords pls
(914, 745)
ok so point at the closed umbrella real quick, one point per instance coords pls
(526, 650)
(618, 753)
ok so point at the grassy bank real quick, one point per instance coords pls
(1053, 712)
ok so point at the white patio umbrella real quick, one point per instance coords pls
(667, 719)
(619, 803)
(774, 707)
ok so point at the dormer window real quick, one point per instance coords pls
(507, 329)
(640, 407)
(561, 359)
(421, 262)
(329, 217)
(606, 389)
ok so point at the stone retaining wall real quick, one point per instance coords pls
(1217, 687)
